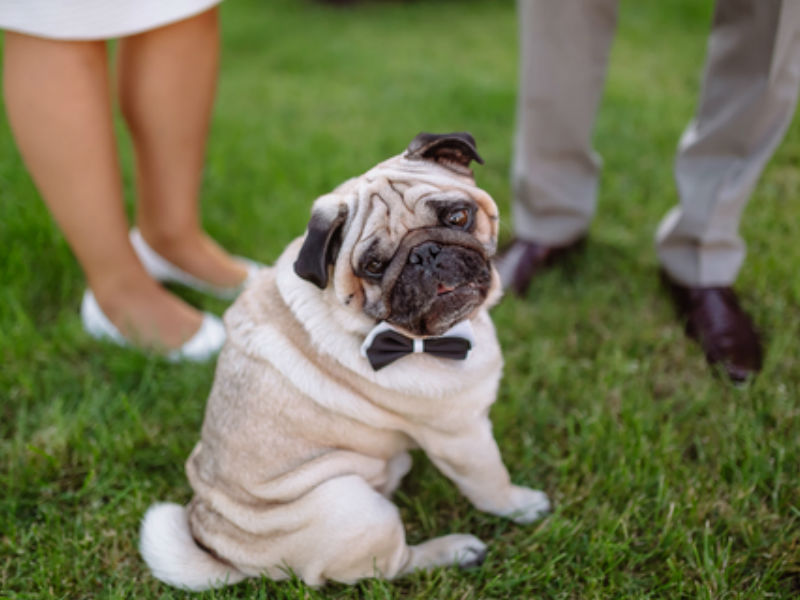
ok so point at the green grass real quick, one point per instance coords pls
(668, 482)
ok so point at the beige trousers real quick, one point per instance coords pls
(749, 92)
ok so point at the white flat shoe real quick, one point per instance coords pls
(163, 270)
(204, 344)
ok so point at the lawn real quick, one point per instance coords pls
(668, 482)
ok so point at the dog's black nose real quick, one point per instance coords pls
(424, 254)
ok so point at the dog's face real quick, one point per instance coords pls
(409, 242)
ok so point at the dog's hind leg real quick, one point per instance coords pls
(457, 549)
(354, 532)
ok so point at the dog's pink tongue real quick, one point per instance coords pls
(443, 289)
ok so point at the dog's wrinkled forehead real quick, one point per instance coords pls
(412, 189)
(401, 195)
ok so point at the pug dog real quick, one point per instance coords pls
(369, 337)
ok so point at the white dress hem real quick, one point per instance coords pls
(90, 20)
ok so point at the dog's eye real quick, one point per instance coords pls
(460, 218)
(374, 267)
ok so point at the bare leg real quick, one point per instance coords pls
(167, 80)
(58, 102)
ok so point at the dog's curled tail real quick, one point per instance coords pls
(168, 548)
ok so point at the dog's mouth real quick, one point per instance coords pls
(436, 278)
(430, 297)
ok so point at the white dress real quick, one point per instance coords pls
(94, 19)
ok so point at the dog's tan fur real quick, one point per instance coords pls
(303, 442)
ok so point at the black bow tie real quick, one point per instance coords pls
(384, 344)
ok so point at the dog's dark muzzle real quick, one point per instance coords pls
(436, 278)
(422, 245)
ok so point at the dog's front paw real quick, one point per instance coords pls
(527, 505)
(469, 551)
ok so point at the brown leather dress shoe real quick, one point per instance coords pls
(521, 261)
(723, 329)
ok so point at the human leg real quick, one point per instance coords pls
(58, 103)
(167, 79)
(748, 97)
(564, 50)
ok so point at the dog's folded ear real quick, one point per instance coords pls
(321, 246)
(452, 150)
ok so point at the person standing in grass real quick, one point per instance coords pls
(57, 88)
(749, 93)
